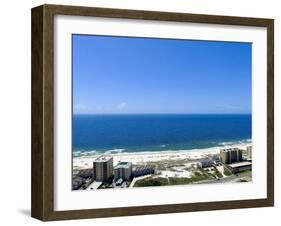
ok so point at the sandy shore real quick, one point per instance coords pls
(85, 162)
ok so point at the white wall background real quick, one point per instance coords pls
(15, 111)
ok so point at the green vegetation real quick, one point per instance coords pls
(213, 175)
(243, 180)
(226, 171)
(160, 181)
(217, 173)
(181, 180)
(197, 174)
(245, 173)
(147, 182)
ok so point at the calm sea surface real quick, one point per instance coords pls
(140, 133)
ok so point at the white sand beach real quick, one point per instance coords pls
(84, 162)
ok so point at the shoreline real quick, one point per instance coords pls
(141, 158)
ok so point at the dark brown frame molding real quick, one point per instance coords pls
(42, 203)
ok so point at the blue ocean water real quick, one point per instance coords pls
(157, 132)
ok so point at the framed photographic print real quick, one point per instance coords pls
(141, 112)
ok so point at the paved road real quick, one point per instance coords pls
(138, 178)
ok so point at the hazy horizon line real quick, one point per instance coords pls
(246, 113)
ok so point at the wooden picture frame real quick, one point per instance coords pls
(42, 203)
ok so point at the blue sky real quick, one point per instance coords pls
(143, 75)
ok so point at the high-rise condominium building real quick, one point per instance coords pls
(103, 168)
(230, 155)
(123, 170)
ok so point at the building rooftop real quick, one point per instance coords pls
(240, 164)
(229, 149)
(205, 160)
(123, 165)
(103, 158)
(144, 167)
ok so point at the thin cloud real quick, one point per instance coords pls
(231, 107)
(121, 106)
(234, 108)
(79, 107)
(99, 108)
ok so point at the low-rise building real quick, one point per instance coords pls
(123, 170)
(143, 170)
(77, 182)
(240, 166)
(204, 163)
(85, 173)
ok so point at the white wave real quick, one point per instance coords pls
(233, 143)
(239, 144)
(121, 151)
(84, 153)
(81, 153)
(114, 151)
